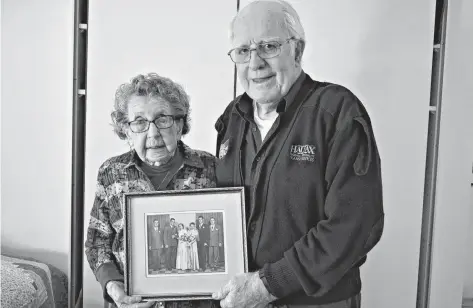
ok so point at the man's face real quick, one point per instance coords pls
(172, 222)
(156, 224)
(265, 80)
(201, 220)
(212, 221)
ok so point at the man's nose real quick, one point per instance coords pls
(255, 62)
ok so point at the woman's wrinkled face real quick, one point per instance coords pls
(154, 146)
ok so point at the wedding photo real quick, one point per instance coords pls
(185, 243)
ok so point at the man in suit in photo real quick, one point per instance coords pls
(170, 244)
(203, 243)
(156, 245)
(215, 242)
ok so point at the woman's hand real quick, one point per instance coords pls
(116, 290)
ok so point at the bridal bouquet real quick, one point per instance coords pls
(191, 239)
(183, 238)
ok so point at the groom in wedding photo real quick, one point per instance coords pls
(170, 244)
(203, 243)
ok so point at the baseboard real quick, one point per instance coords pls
(467, 303)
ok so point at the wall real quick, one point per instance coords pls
(455, 161)
(382, 51)
(182, 40)
(37, 49)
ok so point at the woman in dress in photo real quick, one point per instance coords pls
(182, 249)
(193, 236)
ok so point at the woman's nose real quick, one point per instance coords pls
(153, 129)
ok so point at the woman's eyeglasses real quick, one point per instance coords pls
(161, 122)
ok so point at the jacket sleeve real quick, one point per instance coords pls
(354, 217)
(100, 236)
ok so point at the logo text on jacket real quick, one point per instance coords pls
(303, 152)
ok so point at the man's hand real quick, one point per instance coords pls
(244, 290)
(205, 244)
(116, 290)
(220, 244)
(167, 246)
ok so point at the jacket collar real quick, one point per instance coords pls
(191, 157)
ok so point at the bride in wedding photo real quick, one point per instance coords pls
(182, 249)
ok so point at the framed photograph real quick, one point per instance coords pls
(183, 245)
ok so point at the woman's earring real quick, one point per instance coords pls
(130, 143)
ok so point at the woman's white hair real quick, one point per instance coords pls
(291, 20)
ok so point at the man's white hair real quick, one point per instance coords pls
(291, 20)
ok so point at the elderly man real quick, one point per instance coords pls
(305, 152)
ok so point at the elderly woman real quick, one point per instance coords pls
(152, 114)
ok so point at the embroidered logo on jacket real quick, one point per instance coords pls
(303, 152)
(223, 149)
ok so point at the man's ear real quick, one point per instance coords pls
(299, 51)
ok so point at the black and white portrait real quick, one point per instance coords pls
(185, 243)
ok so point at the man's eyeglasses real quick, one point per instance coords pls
(264, 50)
(161, 122)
